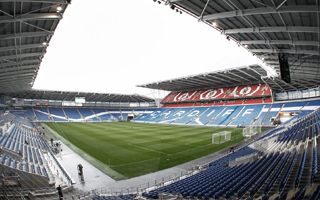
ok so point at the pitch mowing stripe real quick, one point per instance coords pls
(165, 161)
(117, 143)
(102, 166)
(110, 150)
(134, 149)
(182, 140)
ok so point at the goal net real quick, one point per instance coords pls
(221, 137)
(249, 131)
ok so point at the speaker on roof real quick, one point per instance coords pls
(284, 68)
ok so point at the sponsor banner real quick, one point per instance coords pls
(220, 93)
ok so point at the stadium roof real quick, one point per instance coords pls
(26, 28)
(226, 78)
(70, 96)
(247, 75)
(267, 28)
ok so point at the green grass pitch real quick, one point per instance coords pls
(134, 149)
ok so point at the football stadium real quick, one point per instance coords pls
(234, 133)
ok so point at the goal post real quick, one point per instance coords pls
(250, 131)
(221, 137)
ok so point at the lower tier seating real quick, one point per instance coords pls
(241, 115)
(288, 163)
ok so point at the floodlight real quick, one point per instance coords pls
(214, 24)
(59, 9)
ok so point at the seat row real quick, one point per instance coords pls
(290, 162)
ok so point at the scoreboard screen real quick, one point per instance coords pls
(80, 100)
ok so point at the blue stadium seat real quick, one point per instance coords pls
(276, 168)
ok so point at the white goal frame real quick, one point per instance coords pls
(250, 131)
(221, 137)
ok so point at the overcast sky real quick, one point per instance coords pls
(112, 46)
